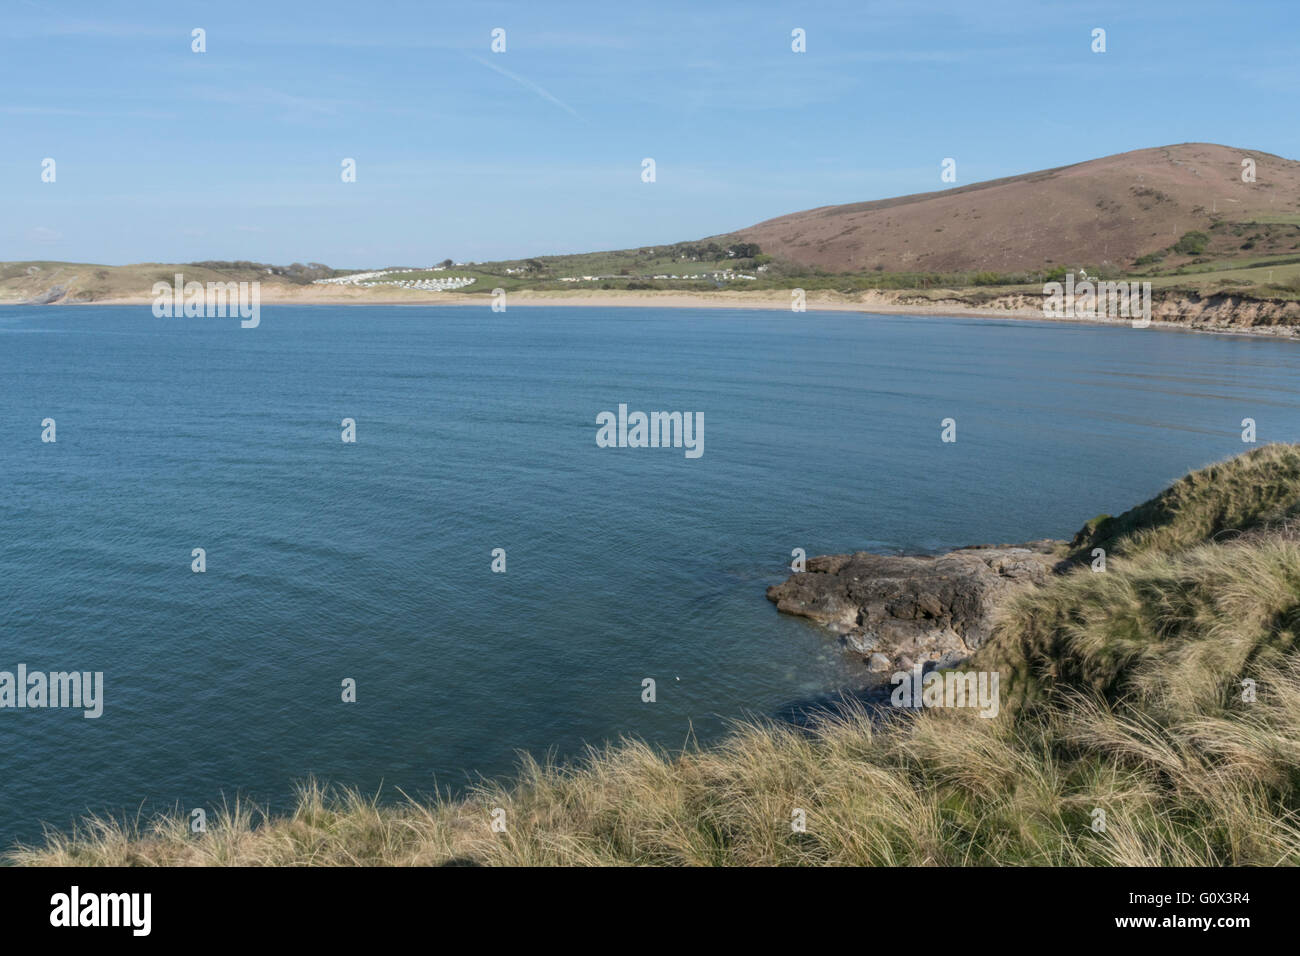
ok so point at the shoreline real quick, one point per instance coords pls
(869, 303)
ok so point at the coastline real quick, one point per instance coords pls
(1175, 316)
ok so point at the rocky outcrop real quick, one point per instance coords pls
(1172, 308)
(48, 297)
(898, 611)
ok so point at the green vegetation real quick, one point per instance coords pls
(86, 282)
(1251, 260)
(14, 270)
(1122, 692)
(297, 273)
(657, 271)
(1200, 262)
(1202, 590)
(1191, 244)
(1258, 490)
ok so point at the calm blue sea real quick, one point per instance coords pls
(476, 431)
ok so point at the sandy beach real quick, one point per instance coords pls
(279, 294)
(875, 302)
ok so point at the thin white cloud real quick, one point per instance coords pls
(58, 111)
(265, 96)
(54, 23)
(528, 84)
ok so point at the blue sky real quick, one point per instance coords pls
(168, 155)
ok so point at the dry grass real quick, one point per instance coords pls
(1257, 490)
(946, 788)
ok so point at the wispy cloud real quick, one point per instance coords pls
(265, 96)
(528, 84)
(60, 111)
(52, 23)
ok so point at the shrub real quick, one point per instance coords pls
(1191, 244)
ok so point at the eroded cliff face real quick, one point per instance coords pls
(1229, 312)
(898, 611)
(1223, 312)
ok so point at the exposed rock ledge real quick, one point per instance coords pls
(904, 610)
(48, 297)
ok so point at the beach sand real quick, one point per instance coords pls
(597, 298)
(873, 302)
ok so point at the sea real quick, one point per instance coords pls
(474, 576)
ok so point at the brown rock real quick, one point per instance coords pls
(913, 607)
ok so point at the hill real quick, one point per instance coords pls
(1117, 209)
(85, 282)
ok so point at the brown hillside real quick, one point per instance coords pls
(1112, 210)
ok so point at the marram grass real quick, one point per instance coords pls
(1127, 701)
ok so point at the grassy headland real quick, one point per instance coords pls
(1122, 693)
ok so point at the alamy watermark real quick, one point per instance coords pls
(129, 910)
(1088, 299)
(36, 690)
(947, 689)
(216, 300)
(651, 430)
